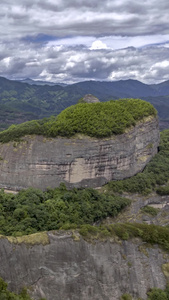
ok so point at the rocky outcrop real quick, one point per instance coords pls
(134, 213)
(90, 99)
(71, 269)
(78, 162)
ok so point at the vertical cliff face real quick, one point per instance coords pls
(78, 162)
(71, 270)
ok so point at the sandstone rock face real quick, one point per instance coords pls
(72, 270)
(78, 162)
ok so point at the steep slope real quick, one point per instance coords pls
(62, 265)
(92, 144)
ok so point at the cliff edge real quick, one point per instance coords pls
(68, 269)
(81, 160)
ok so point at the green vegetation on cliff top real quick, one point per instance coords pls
(95, 119)
(151, 234)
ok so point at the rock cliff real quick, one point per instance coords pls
(71, 269)
(78, 162)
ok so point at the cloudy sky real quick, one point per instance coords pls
(76, 40)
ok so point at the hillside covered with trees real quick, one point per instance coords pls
(101, 119)
(21, 102)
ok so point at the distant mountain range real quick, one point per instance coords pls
(40, 82)
(28, 99)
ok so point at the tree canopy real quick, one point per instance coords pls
(99, 120)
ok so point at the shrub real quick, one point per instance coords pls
(5, 294)
(157, 294)
(163, 190)
(126, 297)
(150, 210)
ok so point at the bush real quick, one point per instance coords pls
(150, 210)
(126, 297)
(7, 295)
(157, 294)
(163, 190)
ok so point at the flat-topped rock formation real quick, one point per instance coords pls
(79, 161)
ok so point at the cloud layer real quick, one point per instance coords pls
(80, 40)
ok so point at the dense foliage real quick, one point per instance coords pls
(94, 119)
(158, 294)
(15, 132)
(5, 294)
(163, 190)
(156, 173)
(99, 119)
(32, 210)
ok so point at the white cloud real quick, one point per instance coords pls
(78, 40)
(98, 45)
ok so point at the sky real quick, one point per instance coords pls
(78, 40)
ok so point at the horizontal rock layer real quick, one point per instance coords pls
(71, 270)
(78, 162)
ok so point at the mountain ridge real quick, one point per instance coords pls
(20, 101)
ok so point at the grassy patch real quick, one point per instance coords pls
(32, 239)
(165, 269)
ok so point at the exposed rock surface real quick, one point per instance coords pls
(80, 161)
(90, 99)
(72, 270)
(134, 213)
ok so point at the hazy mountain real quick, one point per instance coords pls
(118, 89)
(20, 101)
(161, 88)
(40, 82)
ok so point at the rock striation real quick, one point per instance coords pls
(71, 269)
(80, 161)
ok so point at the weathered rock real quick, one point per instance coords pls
(78, 162)
(90, 99)
(72, 270)
(133, 213)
